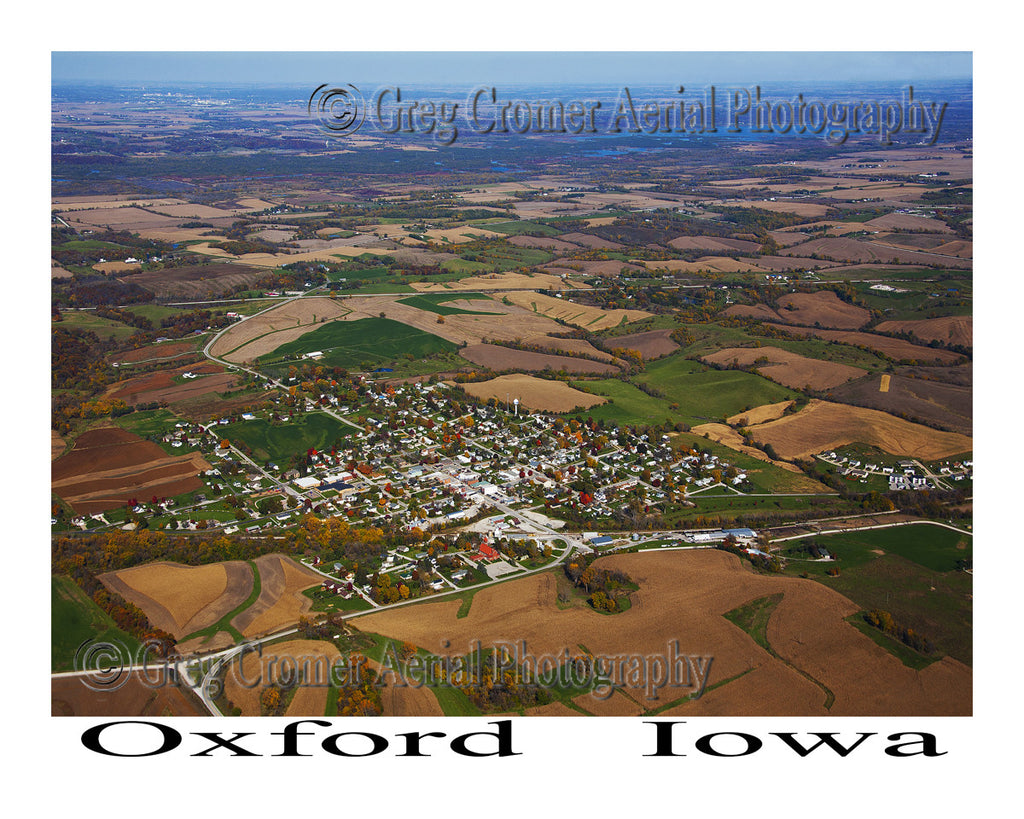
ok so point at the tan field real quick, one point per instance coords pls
(266, 331)
(243, 685)
(682, 597)
(580, 315)
(715, 264)
(278, 259)
(116, 267)
(533, 393)
(789, 369)
(895, 348)
(948, 330)
(281, 601)
(183, 599)
(823, 425)
(758, 415)
(824, 308)
(501, 281)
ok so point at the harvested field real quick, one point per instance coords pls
(500, 281)
(119, 218)
(905, 221)
(589, 267)
(808, 209)
(714, 264)
(116, 267)
(195, 281)
(495, 357)
(580, 315)
(157, 352)
(933, 243)
(720, 246)
(108, 466)
(264, 332)
(533, 393)
(311, 658)
(651, 344)
(161, 385)
(590, 242)
(842, 249)
(683, 597)
(183, 599)
(758, 415)
(138, 697)
(945, 330)
(894, 348)
(727, 436)
(824, 308)
(281, 601)
(924, 398)
(823, 425)
(786, 368)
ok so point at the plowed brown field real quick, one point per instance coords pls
(108, 466)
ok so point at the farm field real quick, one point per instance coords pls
(533, 393)
(894, 348)
(195, 282)
(263, 333)
(915, 395)
(279, 442)
(823, 425)
(786, 368)
(183, 599)
(705, 394)
(683, 596)
(951, 330)
(580, 315)
(74, 618)
(909, 571)
(280, 602)
(169, 386)
(138, 697)
(108, 466)
(496, 357)
(361, 343)
(650, 344)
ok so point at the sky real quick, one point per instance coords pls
(509, 66)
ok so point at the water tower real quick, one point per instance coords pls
(515, 403)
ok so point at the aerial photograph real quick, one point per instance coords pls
(496, 384)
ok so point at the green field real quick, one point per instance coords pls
(103, 327)
(270, 442)
(909, 571)
(147, 423)
(74, 619)
(629, 405)
(705, 394)
(435, 303)
(369, 341)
